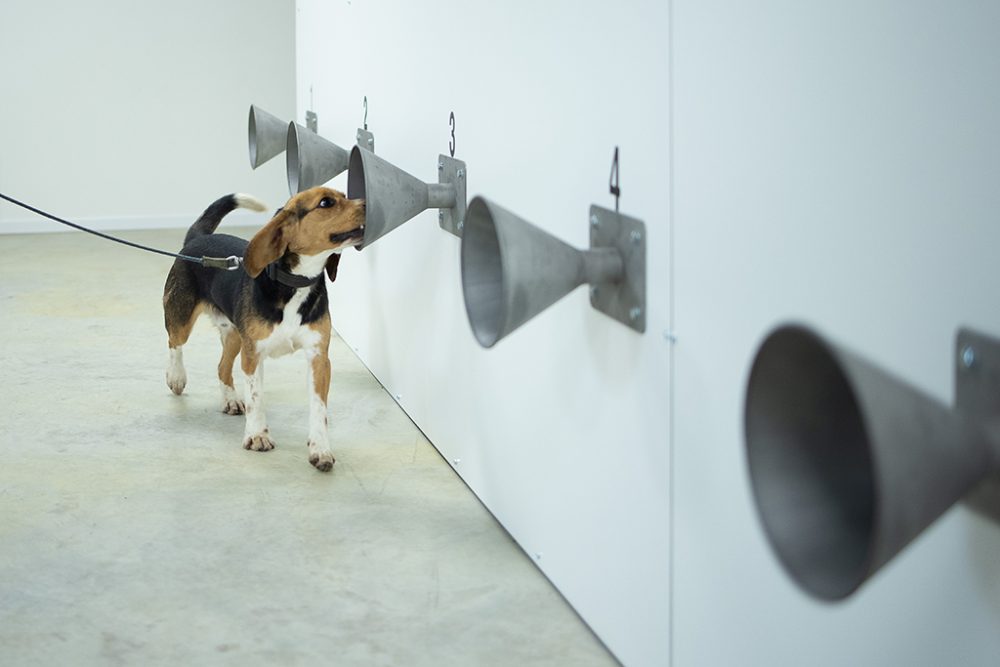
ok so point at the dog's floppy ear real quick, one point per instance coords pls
(267, 245)
(331, 266)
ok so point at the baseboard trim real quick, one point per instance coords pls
(40, 225)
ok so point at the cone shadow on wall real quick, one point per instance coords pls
(266, 135)
(512, 270)
(849, 464)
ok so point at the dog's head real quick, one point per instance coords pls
(315, 222)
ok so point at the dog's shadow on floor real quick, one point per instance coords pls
(195, 417)
(197, 420)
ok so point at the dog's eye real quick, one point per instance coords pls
(326, 202)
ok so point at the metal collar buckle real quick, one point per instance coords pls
(230, 263)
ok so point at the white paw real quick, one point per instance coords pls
(321, 458)
(259, 442)
(176, 379)
(231, 403)
(176, 375)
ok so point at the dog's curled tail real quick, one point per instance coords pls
(214, 214)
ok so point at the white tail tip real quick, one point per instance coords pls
(250, 202)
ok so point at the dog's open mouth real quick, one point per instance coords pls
(353, 235)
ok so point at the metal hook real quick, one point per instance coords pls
(366, 112)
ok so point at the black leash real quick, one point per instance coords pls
(230, 263)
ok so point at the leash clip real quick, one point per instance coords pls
(230, 263)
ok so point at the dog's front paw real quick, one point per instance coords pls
(259, 442)
(176, 379)
(233, 406)
(322, 459)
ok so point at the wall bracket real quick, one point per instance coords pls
(366, 139)
(453, 172)
(625, 300)
(977, 394)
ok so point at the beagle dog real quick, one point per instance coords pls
(277, 305)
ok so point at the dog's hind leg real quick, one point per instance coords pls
(256, 436)
(231, 343)
(180, 310)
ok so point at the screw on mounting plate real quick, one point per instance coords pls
(968, 356)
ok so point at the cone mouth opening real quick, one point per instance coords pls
(482, 273)
(252, 137)
(292, 164)
(810, 462)
(356, 185)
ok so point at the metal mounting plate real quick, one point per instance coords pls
(312, 121)
(977, 394)
(625, 301)
(453, 171)
(366, 139)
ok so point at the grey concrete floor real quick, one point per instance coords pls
(135, 529)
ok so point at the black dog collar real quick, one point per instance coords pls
(290, 279)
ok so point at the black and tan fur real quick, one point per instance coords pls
(258, 314)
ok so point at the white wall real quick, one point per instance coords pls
(562, 429)
(834, 163)
(129, 114)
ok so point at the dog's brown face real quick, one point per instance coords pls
(312, 223)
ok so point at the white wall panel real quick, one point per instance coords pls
(835, 163)
(563, 428)
(128, 115)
